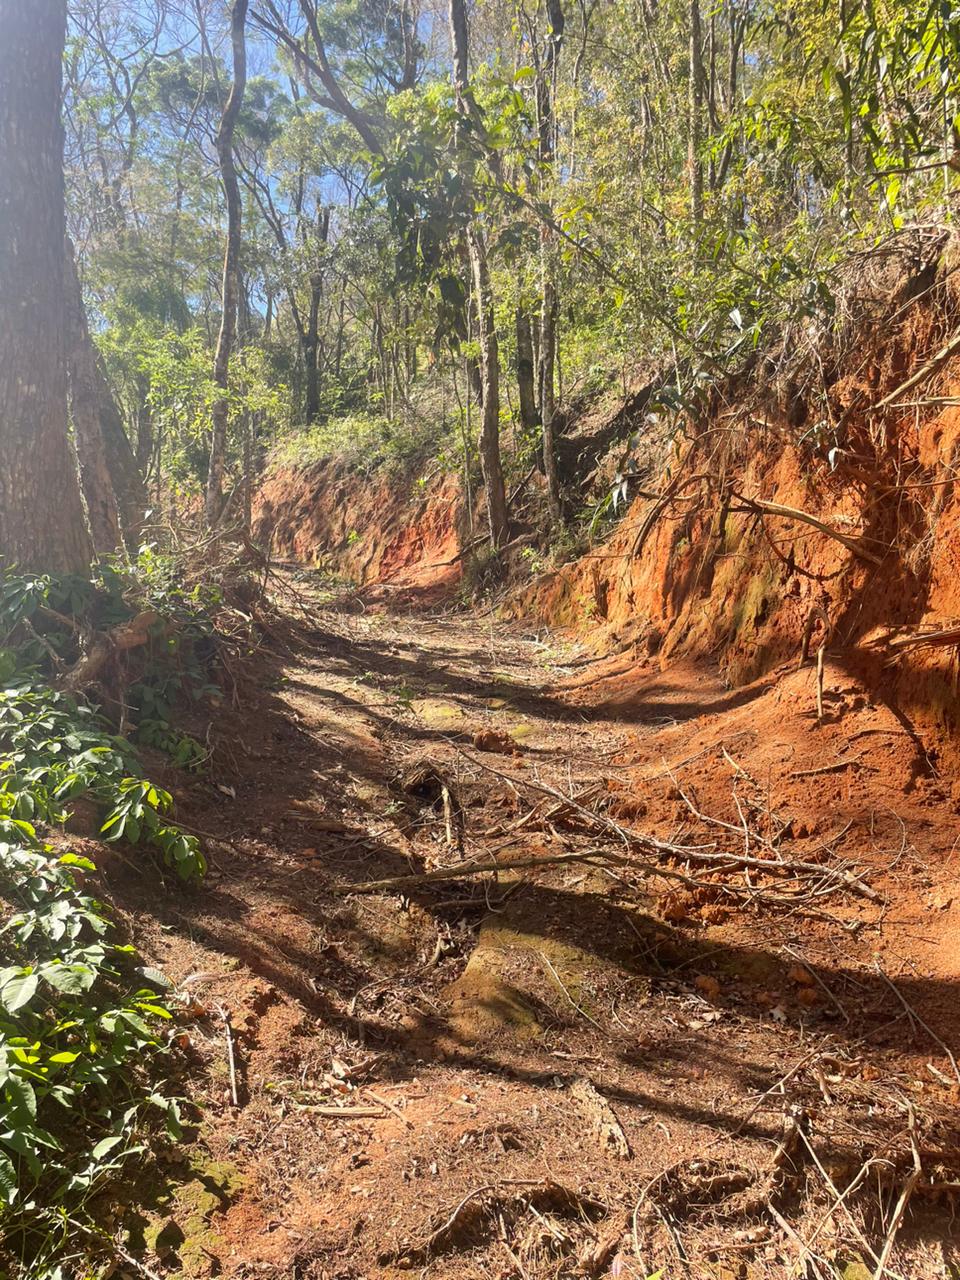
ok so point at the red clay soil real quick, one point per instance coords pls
(378, 528)
(577, 1068)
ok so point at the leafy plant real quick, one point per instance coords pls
(81, 1038)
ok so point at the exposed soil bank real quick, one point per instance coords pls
(709, 573)
(370, 528)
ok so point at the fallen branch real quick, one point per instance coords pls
(331, 1112)
(129, 635)
(758, 506)
(922, 374)
(826, 768)
(459, 870)
(908, 1189)
(231, 1056)
(922, 639)
(916, 1018)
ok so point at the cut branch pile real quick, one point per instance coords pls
(765, 876)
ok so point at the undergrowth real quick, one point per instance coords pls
(83, 1049)
(369, 442)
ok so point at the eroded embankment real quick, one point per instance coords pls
(729, 564)
(371, 528)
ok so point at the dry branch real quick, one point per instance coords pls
(129, 635)
(908, 1189)
(922, 374)
(758, 506)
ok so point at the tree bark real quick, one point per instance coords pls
(311, 337)
(548, 273)
(230, 290)
(695, 123)
(490, 461)
(128, 483)
(95, 479)
(42, 524)
(526, 379)
(548, 403)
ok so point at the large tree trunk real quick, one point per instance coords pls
(230, 291)
(490, 462)
(42, 524)
(95, 478)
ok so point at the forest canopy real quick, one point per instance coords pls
(518, 214)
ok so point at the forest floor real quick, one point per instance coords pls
(575, 1069)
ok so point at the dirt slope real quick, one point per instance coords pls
(380, 528)
(574, 1068)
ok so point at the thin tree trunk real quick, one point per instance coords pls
(695, 123)
(311, 345)
(144, 426)
(548, 403)
(311, 340)
(42, 524)
(525, 373)
(95, 479)
(231, 264)
(126, 475)
(548, 275)
(490, 461)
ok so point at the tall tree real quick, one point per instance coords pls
(230, 291)
(695, 112)
(546, 93)
(490, 462)
(41, 515)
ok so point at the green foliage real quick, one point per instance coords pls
(81, 1039)
(82, 1023)
(365, 440)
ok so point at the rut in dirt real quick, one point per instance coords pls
(646, 1043)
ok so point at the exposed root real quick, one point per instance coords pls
(499, 1207)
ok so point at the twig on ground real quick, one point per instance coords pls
(826, 768)
(912, 1013)
(573, 1004)
(231, 1057)
(913, 1177)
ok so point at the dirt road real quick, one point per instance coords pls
(574, 1069)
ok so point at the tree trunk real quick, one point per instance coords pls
(695, 124)
(144, 426)
(526, 384)
(42, 524)
(231, 264)
(127, 479)
(311, 341)
(311, 337)
(95, 479)
(490, 462)
(548, 404)
(548, 295)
